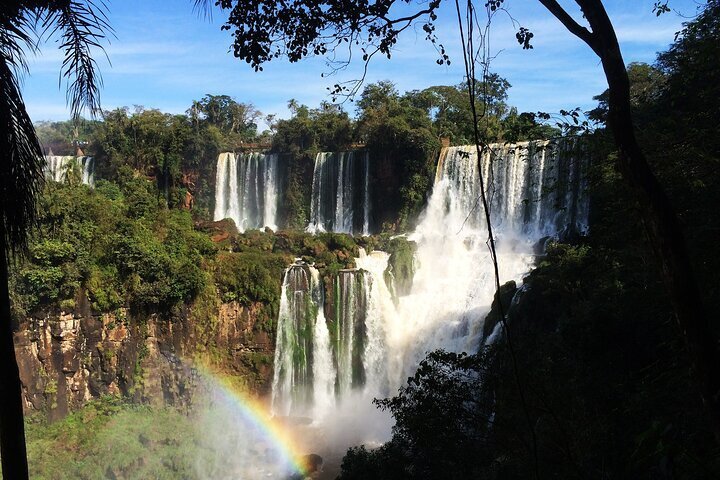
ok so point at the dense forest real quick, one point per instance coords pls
(605, 388)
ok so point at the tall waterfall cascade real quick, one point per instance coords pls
(58, 166)
(318, 360)
(341, 193)
(534, 190)
(302, 357)
(246, 189)
(331, 368)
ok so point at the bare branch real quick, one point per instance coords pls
(575, 28)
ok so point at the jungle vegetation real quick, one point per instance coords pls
(605, 371)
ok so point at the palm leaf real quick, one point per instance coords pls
(82, 27)
(21, 164)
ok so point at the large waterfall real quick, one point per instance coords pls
(341, 193)
(534, 189)
(58, 166)
(331, 368)
(319, 360)
(303, 362)
(246, 189)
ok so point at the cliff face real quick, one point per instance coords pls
(66, 359)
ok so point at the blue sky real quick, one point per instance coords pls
(165, 56)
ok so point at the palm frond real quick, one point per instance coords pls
(82, 27)
(15, 38)
(203, 8)
(21, 163)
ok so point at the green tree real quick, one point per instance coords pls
(153, 143)
(238, 121)
(402, 144)
(62, 137)
(80, 27)
(449, 108)
(661, 222)
(443, 418)
(312, 130)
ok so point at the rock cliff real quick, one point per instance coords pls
(68, 358)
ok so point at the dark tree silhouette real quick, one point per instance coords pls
(273, 29)
(79, 26)
(661, 222)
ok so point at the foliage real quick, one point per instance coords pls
(327, 128)
(78, 27)
(449, 109)
(675, 103)
(402, 149)
(237, 121)
(61, 137)
(178, 151)
(119, 245)
(442, 416)
(518, 127)
(401, 265)
(602, 370)
(153, 144)
(296, 30)
(114, 242)
(250, 277)
(110, 437)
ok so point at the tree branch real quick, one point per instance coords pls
(575, 28)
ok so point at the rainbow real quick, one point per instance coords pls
(257, 415)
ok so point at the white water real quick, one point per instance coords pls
(340, 199)
(534, 190)
(349, 315)
(300, 311)
(57, 167)
(323, 374)
(246, 189)
(380, 315)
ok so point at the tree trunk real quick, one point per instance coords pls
(661, 222)
(12, 428)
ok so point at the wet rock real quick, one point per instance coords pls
(506, 294)
(66, 359)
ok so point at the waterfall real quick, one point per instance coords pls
(323, 372)
(379, 312)
(88, 170)
(57, 166)
(301, 345)
(340, 199)
(319, 361)
(374, 341)
(247, 189)
(349, 329)
(534, 189)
